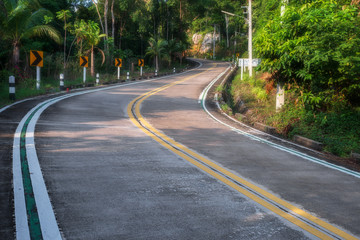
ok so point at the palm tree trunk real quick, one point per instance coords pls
(16, 53)
(92, 69)
(157, 62)
(170, 59)
(65, 44)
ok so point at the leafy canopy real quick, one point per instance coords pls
(316, 46)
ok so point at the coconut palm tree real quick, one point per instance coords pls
(157, 49)
(180, 50)
(93, 37)
(22, 20)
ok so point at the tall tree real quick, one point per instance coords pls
(63, 15)
(98, 12)
(93, 37)
(106, 8)
(112, 21)
(316, 47)
(24, 20)
(157, 49)
(79, 30)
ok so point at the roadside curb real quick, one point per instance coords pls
(265, 128)
(309, 142)
(356, 156)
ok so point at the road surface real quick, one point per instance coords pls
(144, 160)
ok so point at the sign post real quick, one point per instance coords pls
(37, 77)
(141, 64)
(118, 64)
(36, 59)
(84, 74)
(84, 63)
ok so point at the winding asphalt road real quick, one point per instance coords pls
(145, 161)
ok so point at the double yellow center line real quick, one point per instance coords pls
(304, 220)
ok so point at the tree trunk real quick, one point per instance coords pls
(157, 62)
(106, 45)
(167, 23)
(92, 67)
(97, 9)
(112, 22)
(81, 47)
(106, 3)
(16, 53)
(65, 43)
(122, 26)
(170, 59)
(180, 12)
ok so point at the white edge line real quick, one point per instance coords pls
(49, 226)
(10, 105)
(291, 151)
(201, 97)
(21, 220)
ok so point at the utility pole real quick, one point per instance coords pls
(249, 21)
(280, 93)
(250, 38)
(227, 30)
(214, 41)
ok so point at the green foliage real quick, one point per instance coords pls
(63, 15)
(317, 47)
(220, 88)
(340, 133)
(157, 49)
(257, 86)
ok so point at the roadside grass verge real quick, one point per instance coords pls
(338, 130)
(26, 88)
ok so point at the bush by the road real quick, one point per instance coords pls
(337, 128)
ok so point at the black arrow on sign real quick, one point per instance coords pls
(118, 62)
(84, 62)
(141, 62)
(38, 58)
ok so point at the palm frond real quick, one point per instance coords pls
(43, 31)
(17, 20)
(103, 55)
(9, 5)
(37, 17)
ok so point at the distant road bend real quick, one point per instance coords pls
(148, 160)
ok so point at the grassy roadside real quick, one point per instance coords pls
(26, 88)
(338, 129)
